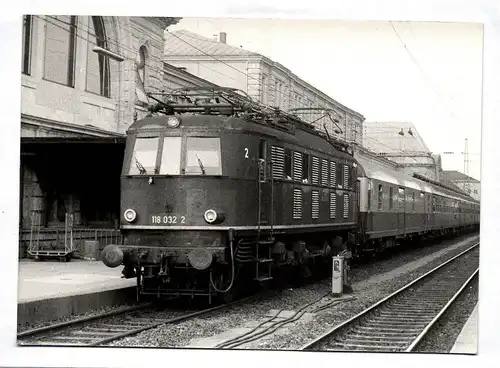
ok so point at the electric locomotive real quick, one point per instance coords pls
(218, 193)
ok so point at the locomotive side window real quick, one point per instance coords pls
(305, 168)
(171, 156)
(324, 172)
(315, 170)
(288, 164)
(333, 174)
(278, 160)
(315, 204)
(339, 175)
(333, 204)
(346, 176)
(346, 206)
(297, 166)
(144, 156)
(297, 204)
(203, 156)
(380, 196)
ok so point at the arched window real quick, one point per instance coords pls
(97, 65)
(140, 77)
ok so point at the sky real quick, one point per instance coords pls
(426, 73)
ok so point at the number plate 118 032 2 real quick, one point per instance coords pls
(168, 219)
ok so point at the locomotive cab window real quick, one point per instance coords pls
(203, 156)
(144, 156)
(171, 156)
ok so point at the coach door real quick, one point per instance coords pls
(401, 210)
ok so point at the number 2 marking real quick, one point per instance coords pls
(246, 152)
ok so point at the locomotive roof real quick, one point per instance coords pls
(298, 136)
(388, 175)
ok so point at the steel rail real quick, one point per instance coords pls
(100, 341)
(77, 321)
(335, 329)
(441, 312)
(275, 325)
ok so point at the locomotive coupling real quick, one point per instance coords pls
(113, 256)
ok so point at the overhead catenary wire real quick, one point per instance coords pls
(162, 70)
(117, 45)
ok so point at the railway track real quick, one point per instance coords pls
(103, 328)
(400, 321)
(279, 320)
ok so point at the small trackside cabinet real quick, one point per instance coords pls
(337, 275)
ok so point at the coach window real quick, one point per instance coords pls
(413, 201)
(288, 164)
(144, 156)
(380, 196)
(391, 199)
(203, 156)
(171, 156)
(305, 168)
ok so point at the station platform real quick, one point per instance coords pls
(48, 290)
(466, 342)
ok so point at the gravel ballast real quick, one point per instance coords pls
(371, 282)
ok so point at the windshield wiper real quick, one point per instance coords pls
(201, 165)
(141, 168)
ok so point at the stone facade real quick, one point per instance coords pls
(74, 105)
(261, 78)
(471, 185)
(401, 143)
(50, 110)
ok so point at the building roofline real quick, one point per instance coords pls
(185, 75)
(270, 62)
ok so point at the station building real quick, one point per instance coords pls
(77, 103)
(467, 183)
(261, 78)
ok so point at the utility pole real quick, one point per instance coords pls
(466, 168)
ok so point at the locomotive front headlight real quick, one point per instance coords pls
(130, 215)
(173, 121)
(210, 216)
